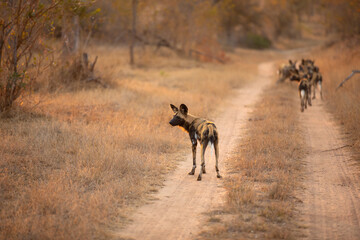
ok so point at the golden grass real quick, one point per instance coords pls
(75, 166)
(264, 172)
(336, 63)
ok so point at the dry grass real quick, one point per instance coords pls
(77, 164)
(336, 63)
(264, 172)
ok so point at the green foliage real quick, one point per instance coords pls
(257, 41)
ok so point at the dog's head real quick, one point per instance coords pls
(292, 64)
(306, 76)
(309, 63)
(310, 71)
(294, 74)
(180, 115)
(305, 64)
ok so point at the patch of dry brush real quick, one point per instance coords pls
(74, 166)
(263, 173)
(336, 63)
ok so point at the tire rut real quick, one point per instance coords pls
(331, 196)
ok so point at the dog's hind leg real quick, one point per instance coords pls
(194, 144)
(216, 147)
(314, 89)
(203, 166)
(320, 89)
(203, 148)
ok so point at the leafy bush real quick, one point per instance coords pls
(257, 41)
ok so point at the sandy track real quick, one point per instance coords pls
(179, 211)
(331, 196)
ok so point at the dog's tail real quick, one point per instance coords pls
(212, 135)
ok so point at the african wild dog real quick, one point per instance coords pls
(305, 63)
(316, 81)
(308, 66)
(304, 87)
(200, 130)
(298, 75)
(285, 71)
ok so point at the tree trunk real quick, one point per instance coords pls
(1, 48)
(70, 34)
(64, 34)
(76, 22)
(133, 32)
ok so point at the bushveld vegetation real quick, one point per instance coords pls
(83, 141)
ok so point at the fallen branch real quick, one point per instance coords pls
(162, 42)
(338, 148)
(87, 73)
(97, 80)
(93, 64)
(205, 55)
(352, 74)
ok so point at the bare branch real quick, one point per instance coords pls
(352, 74)
(85, 60)
(10, 29)
(96, 80)
(15, 59)
(93, 65)
(132, 41)
(206, 55)
(89, 34)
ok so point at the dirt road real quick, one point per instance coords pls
(331, 193)
(178, 212)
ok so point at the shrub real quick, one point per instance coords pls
(21, 27)
(257, 41)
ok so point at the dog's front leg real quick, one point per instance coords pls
(194, 144)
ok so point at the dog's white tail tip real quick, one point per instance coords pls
(302, 93)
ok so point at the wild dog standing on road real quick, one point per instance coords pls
(305, 63)
(316, 81)
(285, 71)
(308, 66)
(200, 130)
(304, 87)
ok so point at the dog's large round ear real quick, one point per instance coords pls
(175, 109)
(184, 109)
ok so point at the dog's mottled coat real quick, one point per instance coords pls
(199, 129)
